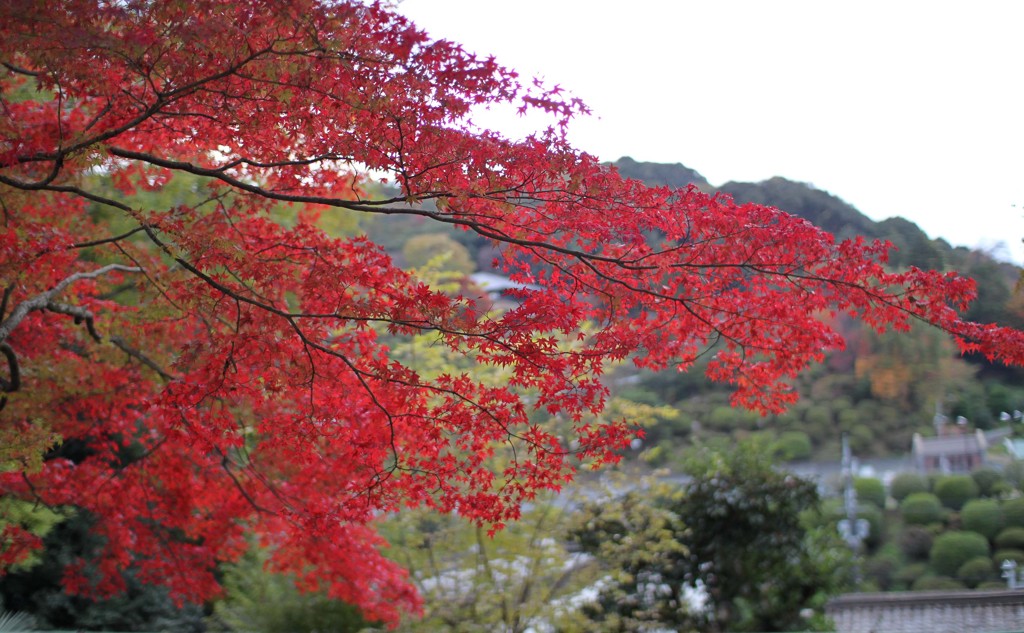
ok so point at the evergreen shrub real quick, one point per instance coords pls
(954, 548)
(1011, 538)
(976, 571)
(906, 484)
(921, 508)
(870, 490)
(983, 516)
(956, 490)
(1013, 512)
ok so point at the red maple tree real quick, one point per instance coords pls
(226, 369)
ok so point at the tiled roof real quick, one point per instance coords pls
(949, 444)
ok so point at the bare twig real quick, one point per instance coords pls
(139, 356)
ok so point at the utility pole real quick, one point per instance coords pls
(852, 529)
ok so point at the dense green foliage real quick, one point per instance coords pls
(746, 543)
(793, 446)
(954, 548)
(990, 482)
(983, 516)
(741, 547)
(976, 571)
(906, 484)
(921, 508)
(258, 601)
(956, 490)
(1010, 538)
(1013, 512)
(635, 540)
(870, 490)
(471, 581)
(922, 545)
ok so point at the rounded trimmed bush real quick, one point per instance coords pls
(1013, 512)
(954, 548)
(976, 571)
(870, 490)
(905, 484)
(992, 584)
(921, 508)
(988, 480)
(916, 542)
(956, 490)
(983, 516)
(1011, 538)
(793, 446)
(1015, 555)
(1001, 490)
(936, 583)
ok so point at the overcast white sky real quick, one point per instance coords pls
(899, 108)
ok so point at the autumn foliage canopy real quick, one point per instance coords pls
(224, 365)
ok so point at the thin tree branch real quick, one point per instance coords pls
(45, 301)
(139, 356)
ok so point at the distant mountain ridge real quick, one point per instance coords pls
(913, 246)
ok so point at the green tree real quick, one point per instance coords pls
(635, 540)
(937, 583)
(747, 546)
(907, 575)
(1015, 555)
(472, 581)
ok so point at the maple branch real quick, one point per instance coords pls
(462, 220)
(106, 240)
(81, 314)
(161, 99)
(225, 464)
(139, 356)
(360, 374)
(45, 301)
(18, 69)
(364, 206)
